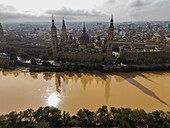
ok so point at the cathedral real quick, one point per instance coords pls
(83, 49)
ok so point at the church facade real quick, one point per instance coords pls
(82, 49)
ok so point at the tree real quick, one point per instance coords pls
(103, 116)
(121, 60)
(3, 63)
(8, 49)
(139, 116)
(165, 66)
(124, 124)
(33, 62)
(12, 119)
(160, 61)
(113, 116)
(42, 124)
(76, 67)
(13, 56)
(51, 117)
(55, 117)
(86, 117)
(45, 63)
(45, 56)
(148, 61)
(66, 119)
(27, 115)
(23, 55)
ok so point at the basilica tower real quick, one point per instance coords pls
(2, 38)
(54, 39)
(64, 33)
(110, 34)
(110, 39)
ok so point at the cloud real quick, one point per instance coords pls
(79, 15)
(150, 10)
(137, 10)
(122, 10)
(9, 14)
(110, 1)
(138, 3)
(6, 8)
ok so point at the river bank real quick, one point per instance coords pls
(99, 68)
(81, 67)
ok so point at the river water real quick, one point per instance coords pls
(72, 91)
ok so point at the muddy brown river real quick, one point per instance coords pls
(72, 91)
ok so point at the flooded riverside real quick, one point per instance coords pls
(72, 91)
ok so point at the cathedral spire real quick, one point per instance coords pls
(84, 28)
(63, 22)
(111, 22)
(53, 25)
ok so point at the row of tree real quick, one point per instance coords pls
(50, 117)
(145, 61)
(13, 53)
(3, 63)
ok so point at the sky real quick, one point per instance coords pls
(84, 10)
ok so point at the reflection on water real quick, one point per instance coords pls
(53, 99)
(145, 90)
(72, 91)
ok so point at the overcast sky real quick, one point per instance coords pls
(84, 10)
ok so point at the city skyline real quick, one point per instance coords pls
(74, 10)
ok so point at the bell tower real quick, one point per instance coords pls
(110, 40)
(110, 34)
(54, 39)
(2, 38)
(64, 33)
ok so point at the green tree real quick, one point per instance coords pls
(139, 116)
(86, 117)
(148, 61)
(50, 117)
(8, 49)
(76, 67)
(123, 124)
(3, 63)
(27, 115)
(23, 55)
(12, 119)
(160, 61)
(13, 56)
(121, 60)
(45, 56)
(45, 63)
(33, 62)
(42, 124)
(66, 119)
(103, 116)
(55, 118)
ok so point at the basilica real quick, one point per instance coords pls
(83, 49)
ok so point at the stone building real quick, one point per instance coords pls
(134, 54)
(2, 38)
(83, 49)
